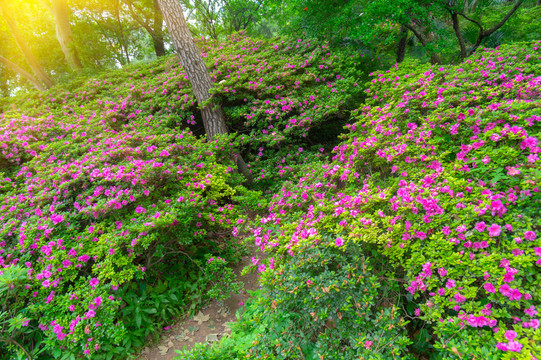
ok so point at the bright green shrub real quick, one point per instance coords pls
(325, 302)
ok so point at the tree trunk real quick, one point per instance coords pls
(197, 73)
(193, 64)
(121, 37)
(157, 38)
(21, 43)
(4, 89)
(486, 33)
(434, 58)
(155, 30)
(402, 42)
(16, 68)
(458, 33)
(63, 33)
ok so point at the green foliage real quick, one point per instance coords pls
(325, 302)
(438, 180)
(221, 278)
(251, 321)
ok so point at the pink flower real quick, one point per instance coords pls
(531, 311)
(460, 298)
(505, 290)
(480, 226)
(530, 235)
(494, 230)
(489, 288)
(515, 294)
(339, 241)
(94, 282)
(368, 344)
(510, 335)
(164, 153)
(514, 346)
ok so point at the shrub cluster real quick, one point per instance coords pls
(437, 183)
(105, 186)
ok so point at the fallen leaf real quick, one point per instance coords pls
(193, 329)
(201, 318)
(163, 349)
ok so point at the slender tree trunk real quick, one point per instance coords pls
(157, 38)
(458, 33)
(193, 64)
(402, 43)
(21, 43)
(16, 68)
(197, 73)
(155, 30)
(64, 35)
(121, 37)
(434, 58)
(4, 89)
(486, 33)
(538, 2)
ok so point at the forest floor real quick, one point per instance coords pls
(208, 325)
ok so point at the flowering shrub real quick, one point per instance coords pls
(439, 176)
(88, 209)
(103, 182)
(221, 278)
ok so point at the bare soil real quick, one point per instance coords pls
(210, 324)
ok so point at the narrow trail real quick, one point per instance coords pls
(210, 324)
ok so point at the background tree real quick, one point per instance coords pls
(61, 13)
(7, 13)
(457, 8)
(149, 15)
(240, 14)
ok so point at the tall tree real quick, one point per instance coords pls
(23, 46)
(455, 10)
(402, 43)
(197, 72)
(151, 20)
(60, 11)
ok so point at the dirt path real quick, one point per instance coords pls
(208, 325)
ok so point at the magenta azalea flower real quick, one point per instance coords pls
(94, 282)
(481, 226)
(494, 230)
(489, 288)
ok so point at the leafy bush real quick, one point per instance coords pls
(87, 209)
(439, 176)
(325, 302)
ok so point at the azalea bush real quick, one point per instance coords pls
(104, 183)
(439, 176)
(86, 210)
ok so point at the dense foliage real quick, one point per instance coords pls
(104, 184)
(438, 181)
(418, 237)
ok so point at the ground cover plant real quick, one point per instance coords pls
(437, 183)
(109, 200)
